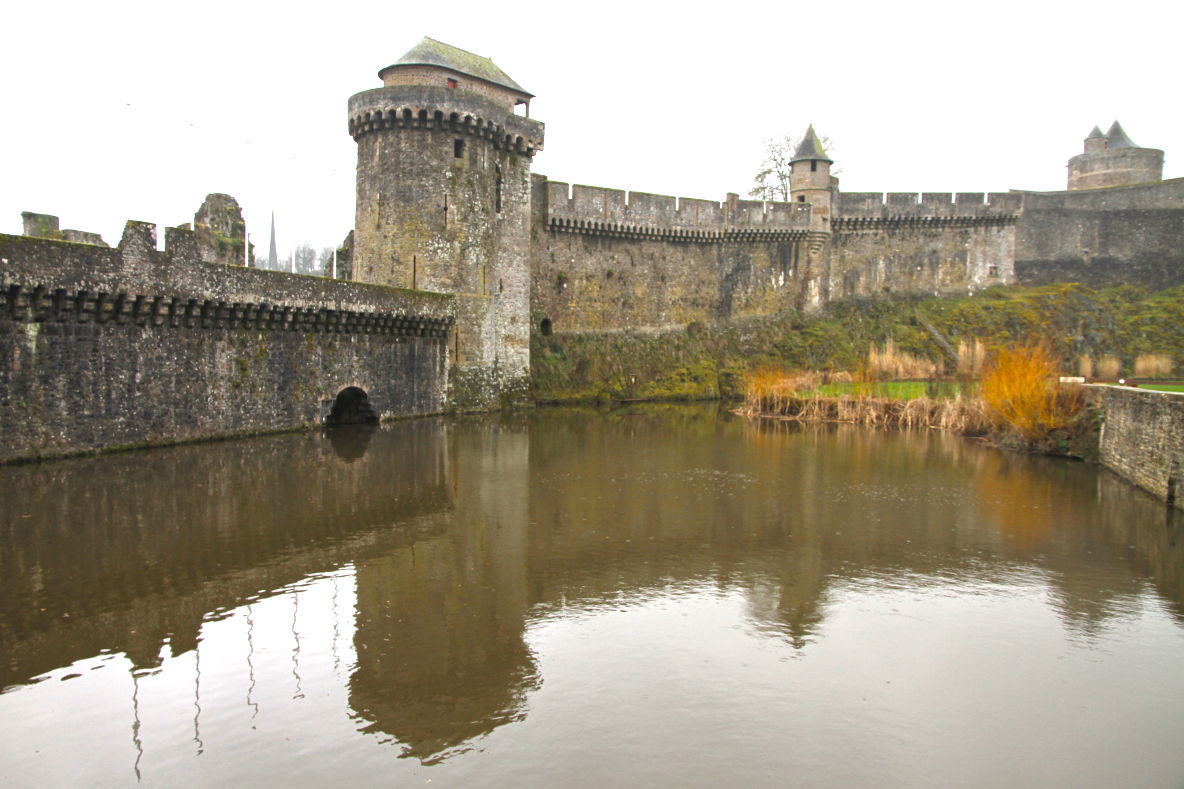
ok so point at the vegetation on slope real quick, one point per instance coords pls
(711, 361)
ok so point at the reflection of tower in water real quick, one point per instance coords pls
(439, 638)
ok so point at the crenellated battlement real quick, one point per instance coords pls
(936, 209)
(640, 215)
(431, 108)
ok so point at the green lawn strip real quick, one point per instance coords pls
(893, 390)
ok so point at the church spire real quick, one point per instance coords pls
(272, 259)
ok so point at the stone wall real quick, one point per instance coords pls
(609, 260)
(104, 347)
(1103, 237)
(925, 244)
(1142, 439)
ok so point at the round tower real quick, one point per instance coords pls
(443, 204)
(810, 179)
(1112, 159)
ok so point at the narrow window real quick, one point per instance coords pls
(497, 195)
(451, 83)
(813, 166)
(545, 327)
(458, 149)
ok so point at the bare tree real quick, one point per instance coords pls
(772, 180)
(325, 261)
(306, 260)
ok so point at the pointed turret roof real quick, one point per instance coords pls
(1095, 134)
(810, 148)
(1118, 138)
(431, 52)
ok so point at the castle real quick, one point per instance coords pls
(446, 201)
(459, 252)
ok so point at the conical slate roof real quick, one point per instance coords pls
(810, 149)
(1095, 134)
(1118, 138)
(431, 52)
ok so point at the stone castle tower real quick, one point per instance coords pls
(1112, 159)
(443, 204)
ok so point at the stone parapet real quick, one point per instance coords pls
(932, 206)
(639, 215)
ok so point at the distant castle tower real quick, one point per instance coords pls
(443, 204)
(810, 179)
(1111, 159)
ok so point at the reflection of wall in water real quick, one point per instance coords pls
(126, 552)
(440, 623)
(644, 501)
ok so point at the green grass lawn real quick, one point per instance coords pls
(1163, 387)
(896, 390)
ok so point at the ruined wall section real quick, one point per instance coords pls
(610, 260)
(925, 244)
(1103, 237)
(103, 348)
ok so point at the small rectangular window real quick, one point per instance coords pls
(458, 148)
(451, 83)
(813, 166)
(801, 198)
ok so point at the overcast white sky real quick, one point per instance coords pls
(136, 110)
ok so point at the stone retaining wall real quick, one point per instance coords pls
(1142, 439)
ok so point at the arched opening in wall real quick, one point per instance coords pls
(545, 327)
(352, 407)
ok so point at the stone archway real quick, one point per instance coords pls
(352, 407)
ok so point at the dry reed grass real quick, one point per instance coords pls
(1107, 367)
(783, 394)
(890, 363)
(1153, 365)
(1020, 391)
(972, 357)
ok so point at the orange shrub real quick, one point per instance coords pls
(1020, 389)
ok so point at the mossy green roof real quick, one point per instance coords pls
(431, 52)
(810, 148)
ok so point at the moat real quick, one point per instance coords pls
(649, 596)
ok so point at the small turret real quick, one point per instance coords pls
(1096, 141)
(810, 179)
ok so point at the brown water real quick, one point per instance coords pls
(650, 597)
